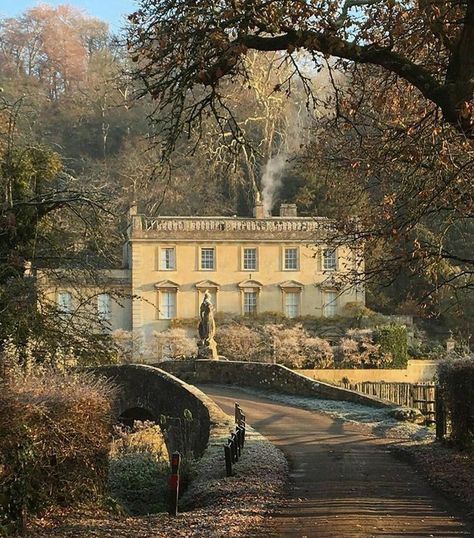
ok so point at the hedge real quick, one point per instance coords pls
(456, 381)
(393, 339)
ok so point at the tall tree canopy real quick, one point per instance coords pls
(179, 45)
(409, 180)
(51, 45)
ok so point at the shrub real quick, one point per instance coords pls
(241, 343)
(55, 431)
(360, 334)
(456, 380)
(139, 482)
(33, 354)
(127, 345)
(393, 340)
(286, 344)
(360, 352)
(32, 357)
(139, 469)
(174, 343)
(318, 353)
(357, 311)
(295, 348)
(144, 436)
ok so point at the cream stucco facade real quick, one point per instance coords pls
(249, 265)
(278, 264)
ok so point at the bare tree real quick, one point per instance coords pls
(180, 45)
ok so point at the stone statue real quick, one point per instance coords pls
(207, 347)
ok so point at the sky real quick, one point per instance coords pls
(111, 11)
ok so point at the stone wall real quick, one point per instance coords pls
(273, 377)
(159, 393)
(417, 371)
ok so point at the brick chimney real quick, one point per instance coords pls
(259, 209)
(288, 210)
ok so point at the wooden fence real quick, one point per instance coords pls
(418, 395)
(426, 397)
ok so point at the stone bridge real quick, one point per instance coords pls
(147, 393)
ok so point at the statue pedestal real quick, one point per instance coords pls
(207, 350)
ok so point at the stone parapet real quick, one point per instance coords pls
(271, 377)
(230, 228)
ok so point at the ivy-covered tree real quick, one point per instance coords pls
(44, 216)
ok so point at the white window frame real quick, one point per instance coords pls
(64, 307)
(286, 295)
(332, 258)
(330, 306)
(214, 264)
(245, 259)
(285, 259)
(245, 293)
(104, 314)
(162, 261)
(163, 309)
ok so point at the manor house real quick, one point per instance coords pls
(249, 265)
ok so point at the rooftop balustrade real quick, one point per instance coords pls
(141, 223)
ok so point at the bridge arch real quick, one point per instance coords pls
(147, 392)
(130, 415)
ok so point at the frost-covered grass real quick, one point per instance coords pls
(376, 420)
(261, 470)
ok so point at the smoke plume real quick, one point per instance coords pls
(272, 179)
(297, 132)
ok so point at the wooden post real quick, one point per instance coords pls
(235, 449)
(240, 436)
(237, 413)
(174, 483)
(228, 460)
(440, 415)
